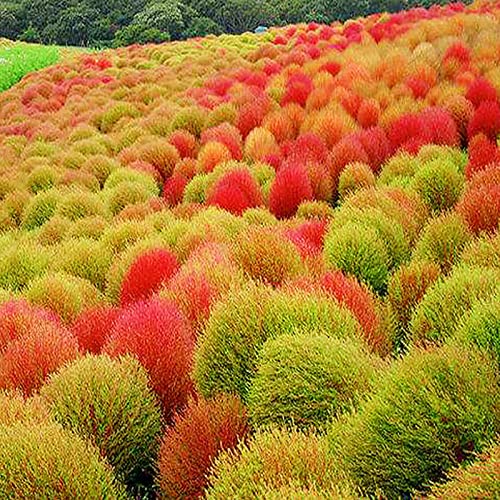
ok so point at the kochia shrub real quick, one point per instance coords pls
(28, 360)
(481, 326)
(442, 241)
(476, 480)
(190, 446)
(353, 177)
(64, 294)
(157, 333)
(446, 302)
(147, 274)
(267, 256)
(358, 250)
(47, 461)
(226, 354)
(109, 402)
(440, 184)
(428, 415)
(274, 461)
(304, 379)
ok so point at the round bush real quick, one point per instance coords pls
(429, 414)
(304, 379)
(358, 250)
(84, 258)
(481, 326)
(446, 301)
(406, 288)
(79, 204)
(18, 317)
(480, 203)
(27, 361)
(16, 409)
(267, 256)
(66, 295)
(442, 241)
(191, 444)
(160, 337)
(147, 274)
(92, 326)
(388, 228)
(274, 460)
(355, 176)
(110, 403)
(21, 262)
(477, 480)
(226, 355)
(47, 461)
(483, 251)
(439, 183)
(40, 208)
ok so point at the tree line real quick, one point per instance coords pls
(94, 23)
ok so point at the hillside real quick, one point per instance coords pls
(256, 266)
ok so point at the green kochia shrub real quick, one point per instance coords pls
(226, 357)
(443, 240)
(64, 294)
(275, 461)
(481, 326)
(47, 461)
(40, 208)
(21, 262)
(478, 480)
(358, 250)
(303, 379)
(483, 251)
(110, 403)
(84, 258)
(429, 414)
(440, 184)
(446, 302)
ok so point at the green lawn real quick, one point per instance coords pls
(17, 59)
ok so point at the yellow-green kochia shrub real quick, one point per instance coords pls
(47, 461)
(430, 413)
(64, 294)
(110, 403)
(274, 461)
(477, 480)
(358, 250)
(448, 300)
(442, 241)
(227, 351)
(481, 326)
(304, 379)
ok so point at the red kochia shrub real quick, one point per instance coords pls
(360, 301)
(308, 237)
(92, 326)
(307, 147)
(298, 88)
(173, 189)
(485, 120)
(17, 317)
(368, 113)
(376, 145)
(441, 126)
(290, 188)
(184, 142)
(158, 334)
(235, 192)
(147, 274)
(481, 90)
(408, 132)
(191, 445)
(482, 152)
(226, 134)
(31, 358)
(480, 204)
